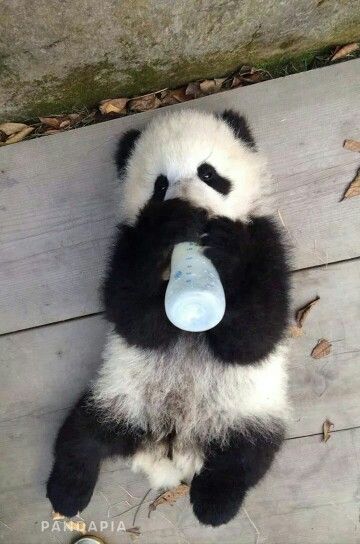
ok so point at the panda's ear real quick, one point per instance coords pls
(125, 148)
(239, 126)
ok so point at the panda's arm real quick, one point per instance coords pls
(252, 262)
(134, 288)
(218, 491)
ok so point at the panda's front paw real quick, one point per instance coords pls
(213, 502)
(162, 225)
(68, 494)
(225, 243)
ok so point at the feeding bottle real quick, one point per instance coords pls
(195, 299)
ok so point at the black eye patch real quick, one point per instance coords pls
(209, 175)
(160, 188)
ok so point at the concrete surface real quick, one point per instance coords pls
(60, 55)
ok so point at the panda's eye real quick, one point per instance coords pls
(206, 172)
(160, 188)
(211, 177)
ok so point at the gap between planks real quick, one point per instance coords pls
(101, 312)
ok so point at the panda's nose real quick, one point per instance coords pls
(178, 189)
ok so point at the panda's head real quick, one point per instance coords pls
(208, 159)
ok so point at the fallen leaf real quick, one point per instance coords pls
(295, 331)
(51, 131)
(12, 128)
(352, 145)
(175, 96)
(193, 89)
(53, 122)
(18, 136)
(302, 313)
(56, 516)
(254, 76)
(327, 430)
(345, 51)
(169, 497)
(245, 69)
(322, 349)
(59, 122)
(209, 86)
(78, 526)
(236, 82)
(354, 187)
(133, 531)
(144, 103)
(113, 105)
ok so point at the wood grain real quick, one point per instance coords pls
(309, 497)
(57, 206)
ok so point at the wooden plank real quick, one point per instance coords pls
(57, 205)
(44, 370)
(327, 387)
(309, 497)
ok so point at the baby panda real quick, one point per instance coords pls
(206, 408)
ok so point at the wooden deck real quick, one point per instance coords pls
(56, 218)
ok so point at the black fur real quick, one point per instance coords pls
(160, 188)
(218, 491)
(239, 126)
(134, 288)
(252, 264)
(208, 174)
(81, 445)
(125, 147)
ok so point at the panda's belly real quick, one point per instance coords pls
(184, 390)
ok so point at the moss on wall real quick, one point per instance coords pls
(158, 47)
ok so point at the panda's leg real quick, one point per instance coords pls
(218, 491)
(82, 442)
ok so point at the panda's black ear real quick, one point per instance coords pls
(239, 126)
(125, 148)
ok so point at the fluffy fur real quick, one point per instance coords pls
(207, 408)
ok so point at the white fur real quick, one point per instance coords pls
(174, 145)
(186, 389)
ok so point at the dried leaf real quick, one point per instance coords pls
(60, 122)
(354, 187)
(245, 69)
(53, 122)
(302, 313)
(18, 136)
(56, 516)
(322, 349)
(144, 103)
(209, 86)
(352, 145)
(175, 96)
(169, 497)
(79, 526)
(12, 128)
(345, 51)
(133, 531)
(113, 105)
(327, 430)
(193, 89)
(236, 82)
(51, 131)
(295, 331)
